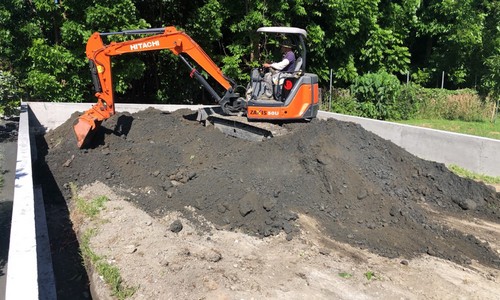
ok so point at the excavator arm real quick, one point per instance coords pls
(99, 55)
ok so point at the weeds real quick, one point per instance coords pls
(109, 273)
(410, 101)
(93, 207)
(465, 105)
(474, 176)
(88, 208)
(370, 275)
(345, 275)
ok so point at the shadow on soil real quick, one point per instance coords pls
(71, 278)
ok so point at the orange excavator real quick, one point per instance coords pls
(295, 96)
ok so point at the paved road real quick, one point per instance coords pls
(8, 156)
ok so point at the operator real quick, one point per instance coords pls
(287, 64)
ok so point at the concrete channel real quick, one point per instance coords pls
(30, 274)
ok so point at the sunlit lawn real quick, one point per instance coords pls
(484, 129)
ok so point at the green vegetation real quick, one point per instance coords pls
(345, 275)
(88, 208)
(484, 129)
(110, 274)
(462, 111)
(91, 208)
(465, 105)
(349, 37)
(370, 275)
(377, 95)
(10, 93)
(474, 176)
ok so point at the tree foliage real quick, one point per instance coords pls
(42, 43)
(10, 93)
(377, 95)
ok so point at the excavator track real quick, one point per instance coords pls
(238, 125)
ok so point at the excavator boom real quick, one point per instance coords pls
(99, 55)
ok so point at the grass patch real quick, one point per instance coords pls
(88, 208)
(483, 129)
(370, 275)
(474, 176)
(345, 275)
(110, 274)
(91, 208)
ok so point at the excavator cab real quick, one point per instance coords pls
(295, 94)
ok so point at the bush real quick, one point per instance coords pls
(377, 95)
(465, 105)
(343, 102)
(381, 96)
(405, 106)
(409, 100)
(10, 93)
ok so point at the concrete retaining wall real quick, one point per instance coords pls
(477, 154)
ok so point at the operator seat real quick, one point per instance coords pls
(256, 84)
(298, 64)
(256, 87)
(297, 72)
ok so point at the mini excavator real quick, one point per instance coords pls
(295, 96)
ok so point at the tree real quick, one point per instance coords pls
(10, 93)
(54, 67)
(491, 52)
(350, 37)
(452, 34)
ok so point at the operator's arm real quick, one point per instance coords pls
(277, 65)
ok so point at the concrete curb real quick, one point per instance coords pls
(22, 271)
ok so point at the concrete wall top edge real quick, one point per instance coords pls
(50, 115)
(361, 120)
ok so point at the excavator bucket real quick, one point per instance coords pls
(84, 130)
(88, 123)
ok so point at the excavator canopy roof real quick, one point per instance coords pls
(286, 30)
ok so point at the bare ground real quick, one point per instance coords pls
(326, 211)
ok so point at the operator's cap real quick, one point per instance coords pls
(286, 44)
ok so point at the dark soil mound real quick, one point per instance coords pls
(8, 129)
(362, 189)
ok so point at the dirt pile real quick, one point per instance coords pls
(361, 189)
